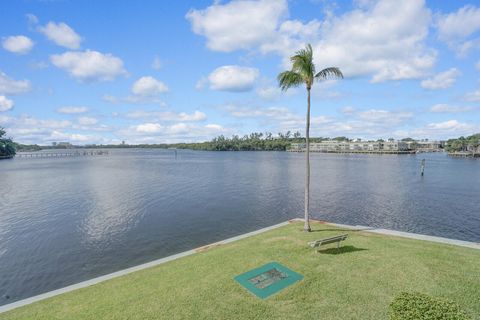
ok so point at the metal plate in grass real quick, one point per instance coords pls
(268, 279)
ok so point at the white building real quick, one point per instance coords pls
(352, 146)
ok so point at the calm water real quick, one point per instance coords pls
(70, 219)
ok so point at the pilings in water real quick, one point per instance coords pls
(357, 151)
(62, 154)
(464, 154)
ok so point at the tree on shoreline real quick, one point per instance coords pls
(7, 147)
(463, 143)
(303, 72)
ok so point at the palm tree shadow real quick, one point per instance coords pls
(345, 230)
(341, 250)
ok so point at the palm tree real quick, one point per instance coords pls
(303, 72)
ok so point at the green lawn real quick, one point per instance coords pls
(358, 282)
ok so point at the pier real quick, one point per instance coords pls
(63, 154)
(464, 154)
(358, 151)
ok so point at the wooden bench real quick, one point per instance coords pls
(321, 242)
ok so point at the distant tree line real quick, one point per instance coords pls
(27, 147)
(256, 141)
(7, 146)
(463, 143)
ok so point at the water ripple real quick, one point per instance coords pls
(67, 220)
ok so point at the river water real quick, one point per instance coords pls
(65, 220)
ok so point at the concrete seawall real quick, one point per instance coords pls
(46, 295)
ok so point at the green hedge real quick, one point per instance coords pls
(418, 306)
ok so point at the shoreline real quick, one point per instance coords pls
(362, 152)
(90, 282)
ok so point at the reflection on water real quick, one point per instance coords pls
(66, 220)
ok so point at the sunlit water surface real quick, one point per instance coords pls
(65, 220)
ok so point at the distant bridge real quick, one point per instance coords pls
(62, 154)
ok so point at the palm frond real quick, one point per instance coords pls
(329, 73)
(288, 79)
(302, 63)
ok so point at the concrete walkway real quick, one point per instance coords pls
(461, 243)
(93, 281)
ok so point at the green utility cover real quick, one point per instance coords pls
(268, 279)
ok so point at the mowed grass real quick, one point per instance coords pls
(357, 282)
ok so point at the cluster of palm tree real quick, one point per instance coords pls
(256, 141)
(303, 72)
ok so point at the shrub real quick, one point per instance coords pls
(418, 306)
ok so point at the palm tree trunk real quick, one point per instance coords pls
(306, 226)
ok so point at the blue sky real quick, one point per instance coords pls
(171, 71)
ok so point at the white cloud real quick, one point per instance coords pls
(71, 137)
(385, 40)
(148, 86)
(61, 34)
(384, 116)
(182, 116)
(24, 125)
(72, 110)
(269, 93)
(473, 96)
(11, 86)
(215, 127)
(324, 90)
(441, 80)
(382, 39)
(457, 28)
(154, 132)
(30, 130)
(450, 125)
(17, 44)
(178, 128)
(445, 108)
(167, 115)
(89, 65)
(148, 128)
(144, 91)
(5, 104)
(348, 110)
(31, 18)
(233, 78)
(443, 130)
(157, 63)
(87, 121)
(372, 123)
(275, 118)
(133, 99)
(40, 123)
(461, 24)
(275, 113)
(238, 24)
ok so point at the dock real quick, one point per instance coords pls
(464, 154)
(357, 151)
(64, 154)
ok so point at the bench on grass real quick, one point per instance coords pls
(321, 242)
